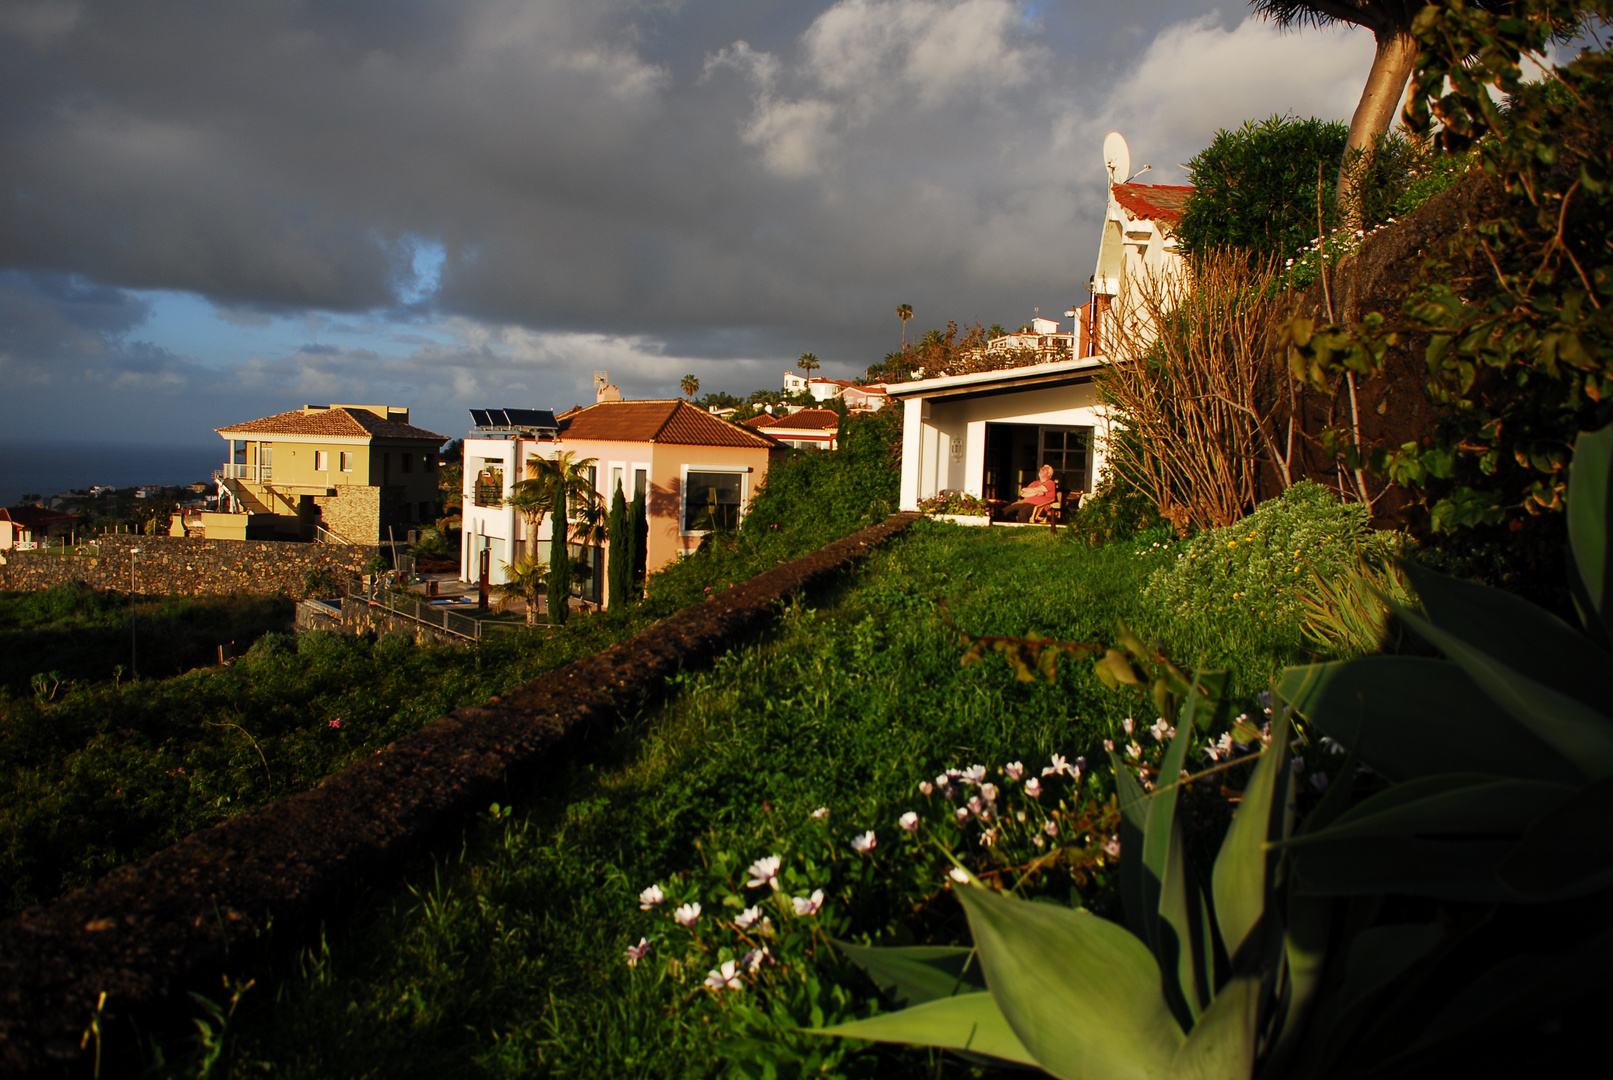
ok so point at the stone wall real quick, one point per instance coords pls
(353, 513)
(186, 565)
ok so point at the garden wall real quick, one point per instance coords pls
(148, 931)
(186, 565)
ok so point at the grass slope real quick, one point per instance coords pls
(507, 961)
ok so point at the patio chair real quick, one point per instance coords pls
(1052, 514)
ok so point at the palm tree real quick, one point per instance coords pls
(1392, 64)
(904, 312)
(808, 363)
(691, 386)
(531, 497)
(527, 579)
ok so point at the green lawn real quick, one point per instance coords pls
(507, 960)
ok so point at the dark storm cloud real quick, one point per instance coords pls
(727, 180)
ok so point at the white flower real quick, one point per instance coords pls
(943, 781)
(974, 774)
(1127, 725)
(1108, 744)
(820, 813)
(962, 813)
(1051, 828)
(1111, 847)
(1038, 841)
(988, 792)
(909, 821)
(975, 805)
(725, 978)
(635, 953)
(988, 838)
(1211, 753)
(1161, 730)
(687, 915)
(808, 905)
(764, 872)
(1319, 781)
(863, 844)
(1014, 770)
(650, 897)
(1224, 743)
(754, 959)
(747, 918)
(1133, 750)
(925, 787)
(1060, 765)
(1033, 787)
(958, 874)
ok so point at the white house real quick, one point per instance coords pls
(988, 433)
(1138, 237)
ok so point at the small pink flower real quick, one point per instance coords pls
(863, 844)
(635, 953)
(650, 897)
(748, 918)
(808, 905)
(1109, 745)
(336, 723)
(1038, 841)
(988, 792)
(958, 874)
(764, 872)
(687, 915)
(1133, 750)
(820, 814)
(988, 838)
(909, 821)
(1014, 770)
(962, 813)
(1033, 787)
(1127, 725)
(1111, 847)
(925, 787)
(753, 960)
(726, 977)
(1051, 828)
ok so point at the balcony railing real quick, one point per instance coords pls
(233, 471)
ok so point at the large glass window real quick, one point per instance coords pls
(490, 486)
(1067, 450)
(711, 501)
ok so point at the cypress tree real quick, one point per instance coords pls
(619, 573)
(637, 532)
(559, 559)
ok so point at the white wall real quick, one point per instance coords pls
(928, 465)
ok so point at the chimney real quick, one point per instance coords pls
(607, 392)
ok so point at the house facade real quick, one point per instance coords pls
(988, 433)
(806, 429)
(25, 528)
(1138, 239)
(698, 473)
(348, 473)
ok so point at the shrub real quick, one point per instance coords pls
(1116, 511)
(954, 502)
(1266, 561)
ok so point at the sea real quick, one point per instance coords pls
(50, 468)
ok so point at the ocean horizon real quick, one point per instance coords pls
(50, 468)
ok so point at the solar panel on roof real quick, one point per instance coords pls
(522, 419)
(479, 418)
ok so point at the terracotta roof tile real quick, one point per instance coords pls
(667, 422)
(1158, 202)
(347, 423)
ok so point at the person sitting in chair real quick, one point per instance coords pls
(1038, 493)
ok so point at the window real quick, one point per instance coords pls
(712, 500)
(321, 461)
(425, 512)
(1066, 450)
(618, 479)
(408, 463)
(347, 461)
(641, 482)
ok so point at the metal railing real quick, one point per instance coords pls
(324, 534)
(425, 614)
(233, 471)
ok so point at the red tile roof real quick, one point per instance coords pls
(343, 422)
(35, 518)
(667, 422)
(805, 420)
(1157, 202)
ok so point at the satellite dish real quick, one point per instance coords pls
(1116, 157)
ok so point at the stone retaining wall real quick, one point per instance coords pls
(146, 932)
(186, 565)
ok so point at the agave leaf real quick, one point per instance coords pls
(1590, 519)
(1575, 730)
(1409, 717)
(1222, 1044)
(1175, 894)
(1568, 844)
(1140, 915)
(1531, 638)
(1530, 983)
(1082, 993)
(966, 1022)
(913, 975)
(1375, 959)
(1241, 878)
(1458, 804)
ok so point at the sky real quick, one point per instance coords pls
(215, 212)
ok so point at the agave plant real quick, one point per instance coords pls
(1489, 778)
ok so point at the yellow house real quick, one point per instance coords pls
(346, 473)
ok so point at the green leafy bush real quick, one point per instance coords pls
(1117, 511)
(1262, 564)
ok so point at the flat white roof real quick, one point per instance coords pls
(1031, 373)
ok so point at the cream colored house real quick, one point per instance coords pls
(342, 473)
(1138, 240)
(698, 472)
